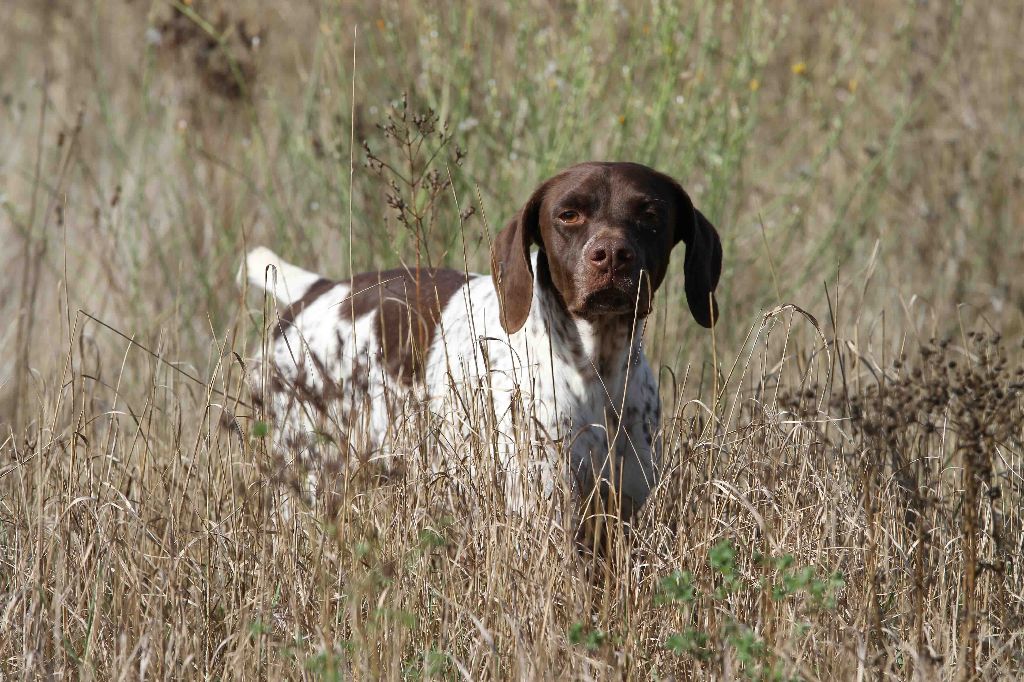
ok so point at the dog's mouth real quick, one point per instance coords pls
(615, 300)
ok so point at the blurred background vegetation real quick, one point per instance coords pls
(873, 147)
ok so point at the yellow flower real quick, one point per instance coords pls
(852, 85)
(800, 68)
(622, 120)
(755, 85)
(380, 24)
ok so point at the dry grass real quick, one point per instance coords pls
(843, 493)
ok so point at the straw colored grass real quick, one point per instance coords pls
(843, 453)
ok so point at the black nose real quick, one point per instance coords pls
(610, 255)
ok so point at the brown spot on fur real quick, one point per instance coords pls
(332, 390)
(408, 305)
(366, 291)
(304, 393)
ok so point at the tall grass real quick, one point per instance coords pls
(839, 501)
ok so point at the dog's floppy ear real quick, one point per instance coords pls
(703, 263)
(510, 263)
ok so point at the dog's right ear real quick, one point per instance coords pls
(510, 263)
(703, 264)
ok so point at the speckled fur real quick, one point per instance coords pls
(322, 374)
(540, 364)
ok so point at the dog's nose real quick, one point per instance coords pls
(610, 255)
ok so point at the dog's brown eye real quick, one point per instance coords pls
(570, 217)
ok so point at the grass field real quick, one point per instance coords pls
(843, 455)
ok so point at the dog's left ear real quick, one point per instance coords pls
(703, 263)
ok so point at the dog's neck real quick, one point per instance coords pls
(605, 346)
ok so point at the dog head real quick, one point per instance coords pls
(605, 232)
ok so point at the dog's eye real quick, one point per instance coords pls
(648, 220)
(571, 217)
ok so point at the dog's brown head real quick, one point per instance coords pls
(605, 232)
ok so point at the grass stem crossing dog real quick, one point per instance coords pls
(550, 344)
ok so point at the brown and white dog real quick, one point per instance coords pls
(553, 335)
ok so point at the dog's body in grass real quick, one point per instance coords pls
(551, 341)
